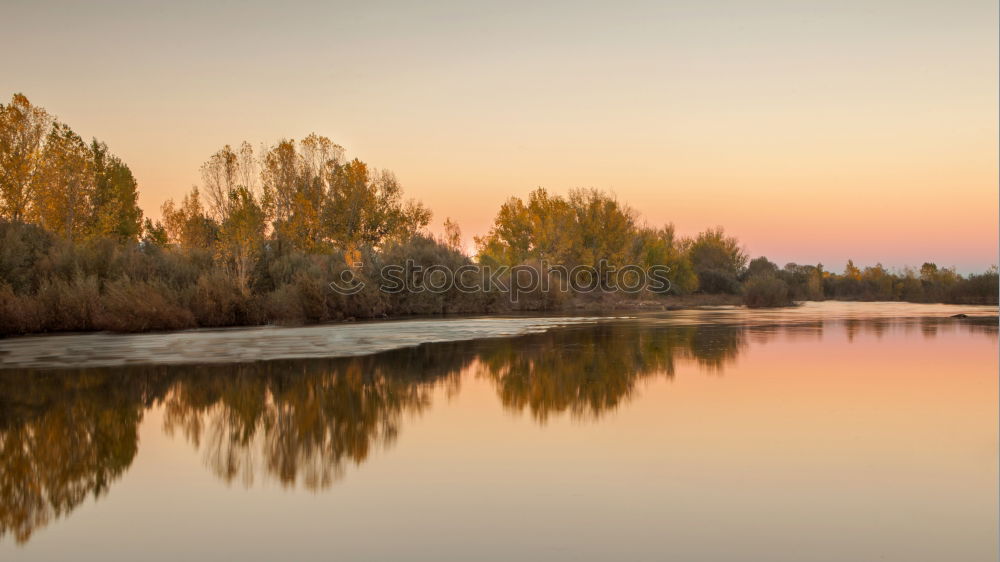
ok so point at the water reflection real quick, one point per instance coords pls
(68, 435)
(62, 438)
(302, 420)
(588, 372)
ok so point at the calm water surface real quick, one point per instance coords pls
(832, 431)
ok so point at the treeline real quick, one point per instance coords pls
(258, 242)
(589, 226)
(269, 228)
(765, 284)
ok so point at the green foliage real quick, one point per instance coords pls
(430, 265)
(365, 209)
(512, 236)
(660, 247)
(241, 236)
(115, 212)
(139, 306)
(981, 288)
(805, 282)
(188, 225)
(718, 260)
(584, 229)
(766, 290)
(22, 246)
(930, 284)
(154, 234)
(762, 266)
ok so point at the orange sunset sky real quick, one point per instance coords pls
(813, 131)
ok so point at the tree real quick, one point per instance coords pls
(851, 271)
(220, 175)
(187, 225)
(805, 281)
(351, 195)
(55, 179)
(718, 260)
(280, 178)
(554, 232)
(64, 184)
(154, 234)
(312, 198)
(452, 235)
(224, 173)
(365, 209)
(241, 235)
(761, 266)
(510, 238)
(878, 282)
(660, 247)
(318, 156)
(605, 228)
(116, 212)
(587, 227)
(22, 130)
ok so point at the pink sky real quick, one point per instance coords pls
(812, 132)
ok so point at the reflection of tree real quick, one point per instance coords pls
(302, 421)
(590, 371)
(69, 434)
(62, 438)
(714, 346)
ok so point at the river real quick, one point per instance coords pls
(829, 431)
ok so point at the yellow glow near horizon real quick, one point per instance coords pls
(812, 131)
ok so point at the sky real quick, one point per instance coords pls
(812, 131)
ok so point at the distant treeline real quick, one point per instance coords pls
(269, 228)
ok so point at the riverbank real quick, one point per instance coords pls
(249, 344)
(575, 306)
(135, 312)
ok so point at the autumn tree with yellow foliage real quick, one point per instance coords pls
(50, 176)
(584, 229)
(22, 129)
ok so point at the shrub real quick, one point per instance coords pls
(138, 306)
(283, 306)
(718, 281)
(982, 288)
(19, 314)
(217, 300)
(423, 252)
(69, 305)
(766, 291)
(21, 247)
